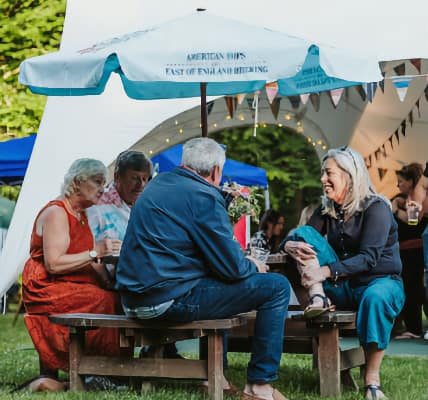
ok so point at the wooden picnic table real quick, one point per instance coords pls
(319, 336)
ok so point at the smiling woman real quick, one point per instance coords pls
(363, 272)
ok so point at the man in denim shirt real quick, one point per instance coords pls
(179, 262)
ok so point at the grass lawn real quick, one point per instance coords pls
(404, 378)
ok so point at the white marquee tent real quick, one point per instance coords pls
(101, 126)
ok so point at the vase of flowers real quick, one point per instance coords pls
(246, 201)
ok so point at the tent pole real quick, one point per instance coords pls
(204, 115)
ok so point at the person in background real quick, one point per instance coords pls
(359, 226)
(63, 275)
(420, 198)
(109, 217)
(411, 252)
(179, 262)
(270, 229)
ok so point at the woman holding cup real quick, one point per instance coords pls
(410, 229)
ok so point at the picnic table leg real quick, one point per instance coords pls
(215, 365)
(77, 344)
(329, 362)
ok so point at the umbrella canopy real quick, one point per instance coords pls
(14, 157)
(172, 59)
(233, 171)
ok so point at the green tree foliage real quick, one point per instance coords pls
(292, 165)
(28, 28)
(10, 192)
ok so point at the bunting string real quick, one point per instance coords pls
(392, 140)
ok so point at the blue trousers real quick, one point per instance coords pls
(269, 294)
(377, 305)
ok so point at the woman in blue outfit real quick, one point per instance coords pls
(360, 227)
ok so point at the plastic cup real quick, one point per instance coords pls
(412, 214)
(260, 254)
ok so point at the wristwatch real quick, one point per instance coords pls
(93, 254)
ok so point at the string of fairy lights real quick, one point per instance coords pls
(285, 120)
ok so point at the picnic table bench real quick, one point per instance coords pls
(135, 332)
(318, 336)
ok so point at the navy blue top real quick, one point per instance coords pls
(366, 244)
(179, 232)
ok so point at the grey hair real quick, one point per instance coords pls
(360, 187)
(80, 171)
(202, 155)
(132, 159)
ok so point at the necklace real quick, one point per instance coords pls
(76, 213)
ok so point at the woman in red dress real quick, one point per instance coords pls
(62, 274)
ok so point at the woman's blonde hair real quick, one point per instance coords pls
(80, 171)
(360, 187)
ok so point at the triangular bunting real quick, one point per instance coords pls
(294, 101)
(315, 100)
(377, 154)
(416, 62)
(384, 151)
(240, 97)
(390, 141)
(382, 86)
(397, 136)
(400, 69)
(335, 95)
(250, 106)
(382, 172)
(304, 98)
(418, 107)
(271, 91)
(403, 127)
(229, 104)
(274, 106)
(401, 85)
(411, 117)
(370, 89)
(367, 161)
(382, 65)
(210, 106)
(361, 92)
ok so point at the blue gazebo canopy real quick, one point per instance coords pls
(233, 171)
(14, 157)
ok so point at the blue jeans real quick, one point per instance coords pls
(269, 294)
(378, 304)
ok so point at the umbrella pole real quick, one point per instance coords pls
(204, 114)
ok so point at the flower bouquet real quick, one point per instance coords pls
(246, 201)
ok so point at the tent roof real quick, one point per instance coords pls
(234, 171)
(14, 157)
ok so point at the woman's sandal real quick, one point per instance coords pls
(312, 311)
(372, 392)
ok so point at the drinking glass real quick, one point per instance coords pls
(260, 254)
(412, 214)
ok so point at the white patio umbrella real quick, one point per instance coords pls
(198, 55)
